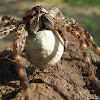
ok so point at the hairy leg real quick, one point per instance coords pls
(55, 12)
(87, 42)
(18, 47)
(66, 27)
(2, 24)
(63, 37)
(4, 31)
(86, 36)
(9, 18)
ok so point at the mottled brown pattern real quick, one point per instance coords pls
(86, 36)
(39, 19)
(18, 46)
(77, 31)
(6, 30)
(9, 18)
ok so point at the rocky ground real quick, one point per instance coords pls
(67, 80)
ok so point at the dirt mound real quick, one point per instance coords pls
(67, 80)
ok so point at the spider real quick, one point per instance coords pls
(38, 19)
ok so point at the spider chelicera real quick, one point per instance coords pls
(38, 19)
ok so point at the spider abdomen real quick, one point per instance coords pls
(43, 49)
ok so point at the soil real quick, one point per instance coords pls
(67, 80)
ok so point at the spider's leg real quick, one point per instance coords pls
(9, 18)
(55, 12)
(87, 42)
(63, 37)
(2, 24)
(18, 47)
(83, 46)
(86, 36)
(4, 31)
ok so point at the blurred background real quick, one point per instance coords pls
(85, 12)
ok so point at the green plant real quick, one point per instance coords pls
(84, 2)
(91, 25)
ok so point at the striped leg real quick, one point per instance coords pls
(66, 27)
(2, 24)
(18, 47)
(86, 35)
(4, 31)
(87, 42)
(63, 37)
(9, 18)
(55, 12)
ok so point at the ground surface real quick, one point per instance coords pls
(67, 80)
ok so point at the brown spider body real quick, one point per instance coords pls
(39, 19)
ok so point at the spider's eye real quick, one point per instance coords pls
(39, 9)
(34, 12)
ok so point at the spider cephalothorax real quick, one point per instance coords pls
(38, 19)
